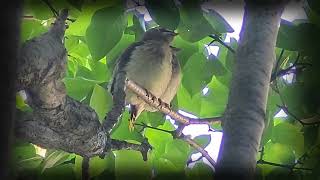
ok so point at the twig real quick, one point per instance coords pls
(155, 102)
(144, 147)
(215, 37)
(146, 126)
(54, 11)
(192, 161)
(85, 168)
(282, 165)
(209, 121)
(200, 149)
(286, 110)
(185, 138)
(288, 70)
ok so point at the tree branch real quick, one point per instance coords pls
(157, 103)
(216, 38)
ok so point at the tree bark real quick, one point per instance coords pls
(244, 117)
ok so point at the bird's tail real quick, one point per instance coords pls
(135, 111)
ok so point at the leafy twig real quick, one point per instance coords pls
(192, 161)
(200, 149)
(185, 138)
(146, 126)
(54, 11)
(215, 37)
(260, 161)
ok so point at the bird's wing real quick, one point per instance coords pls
(122, 61)
(174, 82)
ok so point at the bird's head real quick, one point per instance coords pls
(159, 34)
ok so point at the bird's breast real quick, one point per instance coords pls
(150, 66)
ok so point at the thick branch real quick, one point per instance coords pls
(243, 121)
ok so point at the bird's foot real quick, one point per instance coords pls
(147, 92)
(131, 125)
(168, 106)
(132, 119)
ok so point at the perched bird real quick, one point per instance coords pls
(149, 64)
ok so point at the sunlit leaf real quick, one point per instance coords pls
(165, 13)
(105, 30)
(101, 101)
(217, 21)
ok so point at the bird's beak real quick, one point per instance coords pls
(175, 34)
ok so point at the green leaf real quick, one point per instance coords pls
(165, 13)
(100, 71)
(187, 49)
(277, 153)
(288, 134)
(78, 88)
(54, 158)
(214, 102)
(80, 53)
(155, 118)
(76, 3)
(177, 151)
(187, 103)
(101, 101)
(121, 131)
(193, 26)
(217, 21)
(310, 134)
(293, 96)
(21, 105)
(267, 132)
(298, 37)
(31, 28)
(280, 173)
(25, 157)
(64, 171)
(38, 9)
(158, 139)
(203, 140)
(215, 66)
(287, 36)
(230, 59)
(273, 101)
(77, 168)
(112, 55)
(97, 165)
(129, 164)
(82, 22)
(200, 171)
(105, 30)
(71, 42)
(197, 73)
(165, 168)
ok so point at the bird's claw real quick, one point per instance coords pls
(131, 125)
(147, 92)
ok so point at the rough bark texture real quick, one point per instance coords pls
(57, 121)
(10, 43)
(243, 121)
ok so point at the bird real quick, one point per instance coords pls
(148, 63)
